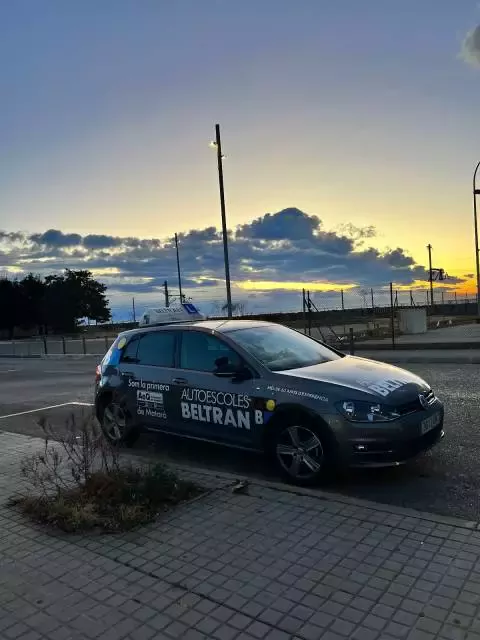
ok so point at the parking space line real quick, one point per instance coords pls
(53, 406)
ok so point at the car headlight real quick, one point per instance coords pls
(357, 411)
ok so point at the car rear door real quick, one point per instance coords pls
(212, 407)
(147, 367)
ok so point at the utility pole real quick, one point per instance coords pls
(178, 270)
(392, 315)
(430, 272)
(167, 297)
(218, 145)
(476, 192)
(133, 310)
(373, 302)
(304, 312)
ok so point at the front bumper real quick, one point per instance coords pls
(388, 444)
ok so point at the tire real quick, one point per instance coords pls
(302, 450)
(114, 420)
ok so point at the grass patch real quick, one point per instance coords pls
(78, 484)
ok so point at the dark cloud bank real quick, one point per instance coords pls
(288, 246)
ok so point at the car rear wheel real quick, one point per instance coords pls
(301, 452)
(115, 425)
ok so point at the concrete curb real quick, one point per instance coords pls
(277, 485)
(401, 356)
(414, 346)
(59, 356)
(397, 357)
(320, 494)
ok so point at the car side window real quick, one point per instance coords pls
(129, 353)
(157, 349)
(203, 352)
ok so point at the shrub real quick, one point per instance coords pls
(78, 482)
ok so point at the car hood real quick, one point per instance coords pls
(384, 381)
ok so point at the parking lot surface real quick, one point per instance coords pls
(446, 480)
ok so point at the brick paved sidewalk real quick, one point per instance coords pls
(272, 564)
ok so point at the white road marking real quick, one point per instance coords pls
(53, 406)
(67, 371)
(8, 370)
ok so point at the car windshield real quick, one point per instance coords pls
(280, 348)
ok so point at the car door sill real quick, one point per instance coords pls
(209, 440)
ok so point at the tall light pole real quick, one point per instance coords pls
(178, 270)
(218, 145)
(430, 272)
(476, 192)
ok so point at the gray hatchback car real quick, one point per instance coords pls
(263, 386)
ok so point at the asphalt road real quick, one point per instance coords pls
(446, 480)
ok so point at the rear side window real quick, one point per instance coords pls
(156, 349)
(129, 353)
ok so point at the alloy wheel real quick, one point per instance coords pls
(114, 422)
(300, 453)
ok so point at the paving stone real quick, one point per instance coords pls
(240, 621)
(16, 631)
(290, 624)
(374, 622)
(364, 633)
(142, 633)
(208, 625)
(258, 629)
(270, 616)
(397, 630)
(225, 632)
(343, 628)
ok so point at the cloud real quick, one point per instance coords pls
(357, 233)
(285, 247)
(289, 224)
(100, 242)
(470, 50)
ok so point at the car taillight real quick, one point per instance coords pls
(98, 373)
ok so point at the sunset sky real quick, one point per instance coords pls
(363, 114)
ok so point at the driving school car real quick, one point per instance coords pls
(263, 386)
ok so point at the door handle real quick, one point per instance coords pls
(128, 373)
(180, 381)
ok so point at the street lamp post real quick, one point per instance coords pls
(430, 273)
(178, 270)
(218, 145)
(475, 222)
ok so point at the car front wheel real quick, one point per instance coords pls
(301, 452)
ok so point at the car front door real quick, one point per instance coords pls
(212, 406)
(147, 367)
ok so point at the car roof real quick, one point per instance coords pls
(216, 326)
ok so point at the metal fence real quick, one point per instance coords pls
(340, 317)
(357, 315)
(379, 297)
(55, 346)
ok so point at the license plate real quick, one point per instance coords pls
(430, 423)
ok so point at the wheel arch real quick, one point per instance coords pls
(101, 402)
(288, 411)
